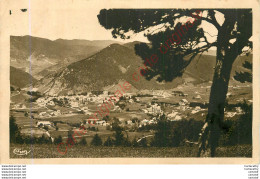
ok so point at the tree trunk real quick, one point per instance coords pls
(226, 55)
(210, 132)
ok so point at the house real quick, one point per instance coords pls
(165, 94)
(183, 102)
(144, 122)
(175, 93)
(23, 106)
(172, 114)
(177, 118)
(129, 122)
(197, 97)
(51, 103)
(55, 113)
(229, 94)
(117, 108)
(152, 122)
(156, 108)
(44, 123)
(34, 89)
(239, 110)
(41, 101)
(44, 114)
(230, 114)
(19, 106)
(197, 109)
(101, 123)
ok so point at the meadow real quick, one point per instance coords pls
(78, 151)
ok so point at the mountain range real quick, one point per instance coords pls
(104, 69)
(45, 56)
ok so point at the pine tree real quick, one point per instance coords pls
(15, 135)
(135, 143)
(96, 141)
(58, 140)
(174, 52)
(119, 137)
(83, 141)
(109, 142)
(71, 139)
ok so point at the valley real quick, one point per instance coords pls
(71, 79)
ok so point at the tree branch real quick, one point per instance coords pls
(214, 20)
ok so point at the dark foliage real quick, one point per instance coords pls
(97, 92)
(127, 142)
(44, 140)
(106, 118)
(46, 127)
(58, 140)
(71, 139)
(58, 102)
(109, 142)
(83, 142)
(30, 140)
(143, 143)
(162, 136)
(173, 134)
(135, 143)
(135, 120)
(239, 131)
(115, 124)
(96, 141)
(15, 135)
(34, 95)
(245, 76)
(119, 137)
(12, 88)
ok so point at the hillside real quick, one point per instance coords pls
(117, 63)
(19, 78)
(46, 56)
(104, 69)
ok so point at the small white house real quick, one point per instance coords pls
(197, 97)
(44, 123)
(173, 114)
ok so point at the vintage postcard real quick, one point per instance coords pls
(129, 82)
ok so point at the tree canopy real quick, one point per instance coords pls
(176, 37)
(190, 38)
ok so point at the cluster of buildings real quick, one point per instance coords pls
(153, 109)
(19, 106)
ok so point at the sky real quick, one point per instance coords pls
(70, 20)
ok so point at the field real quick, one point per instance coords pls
(77, 151)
